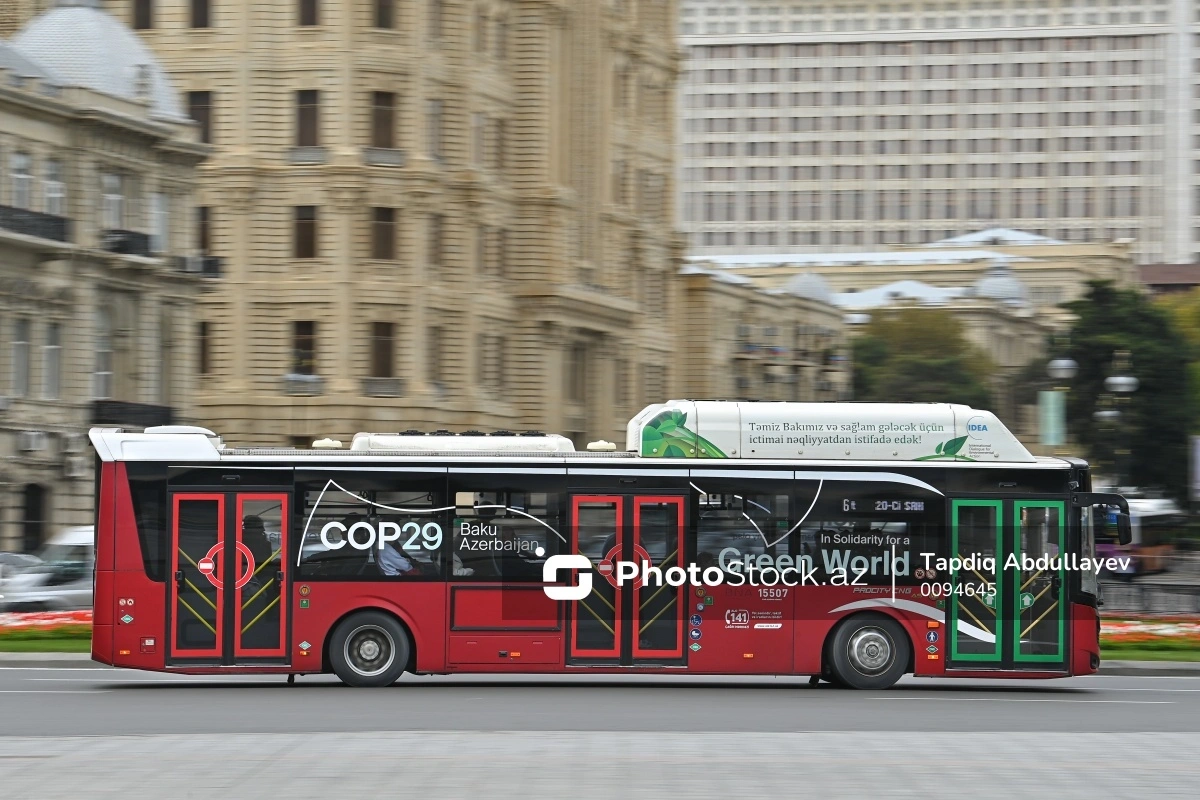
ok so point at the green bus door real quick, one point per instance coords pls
(1007, 609)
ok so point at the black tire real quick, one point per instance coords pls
(869, 651)
(369, 648)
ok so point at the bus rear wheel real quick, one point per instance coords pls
(369, 648)
(869, 651)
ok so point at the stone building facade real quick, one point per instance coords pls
(430, 214)
(96, 294)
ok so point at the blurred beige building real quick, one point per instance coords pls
(430, 214)
(1051, 272)
(96, 300)
(740, 341)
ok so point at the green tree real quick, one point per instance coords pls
(919, 355)
(1184, 311)
(1156, 419)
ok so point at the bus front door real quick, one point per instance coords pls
(631, 621)
(1008, 593)
(228, 598)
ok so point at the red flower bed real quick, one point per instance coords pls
(1151, 633)
(47, 625)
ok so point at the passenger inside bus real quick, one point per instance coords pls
(254, 534)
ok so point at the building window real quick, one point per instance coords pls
(481, 234)
(435, 19)
(102, 374)
(435, 129)
(160, 222)
(200, 110)
(479, 43)
(305, 232)
(204, 347)
(436, 233)
(576, 372)
(385, 13)
(143, 15)
(478, 134)
(304, 348)
(383, 350)
(383, 119)
(22, 181)
(113, 202)
(36, 502)
(20, 358)
(201, 16)
(501, 252)
(489, 364)
(54, 190)
(501, 135)
(307, 118)
(308, 13)
(166, 341)
(620, 382)
(203, 230)
(383, 234)
(52, 362)
(433, 355)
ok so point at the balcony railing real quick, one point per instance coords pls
(307, 155)
(130, 415)
(383, 157)
(127, 243)
(382, 387)
(299, 385)
(205, 266)
(35, 223)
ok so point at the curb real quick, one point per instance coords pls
(43, 660)
(1164, 669)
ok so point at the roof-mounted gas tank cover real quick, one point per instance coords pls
(475, 441)
(823, 431)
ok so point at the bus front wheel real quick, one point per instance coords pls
(869, 651)
(369, 648)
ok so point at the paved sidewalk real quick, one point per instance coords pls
(591, 765)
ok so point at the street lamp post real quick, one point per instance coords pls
(1054, 402)
(1118, 388)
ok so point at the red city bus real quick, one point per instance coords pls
(853, 543)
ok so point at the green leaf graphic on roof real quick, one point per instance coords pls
(954, 445)
(948, 451)
(666, 436)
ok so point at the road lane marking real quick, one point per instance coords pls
(54, 691)
(1033, 700)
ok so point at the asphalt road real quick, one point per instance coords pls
(85, 732)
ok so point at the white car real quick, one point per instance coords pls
(61, 581)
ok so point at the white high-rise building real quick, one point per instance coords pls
(850, 124)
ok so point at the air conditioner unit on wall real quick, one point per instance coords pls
(74, 467)
(33, 441)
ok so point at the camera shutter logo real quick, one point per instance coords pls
(567, 562)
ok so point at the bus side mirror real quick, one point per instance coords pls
(1124, 530)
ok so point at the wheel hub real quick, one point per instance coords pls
(369, 650)
(870, 651)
